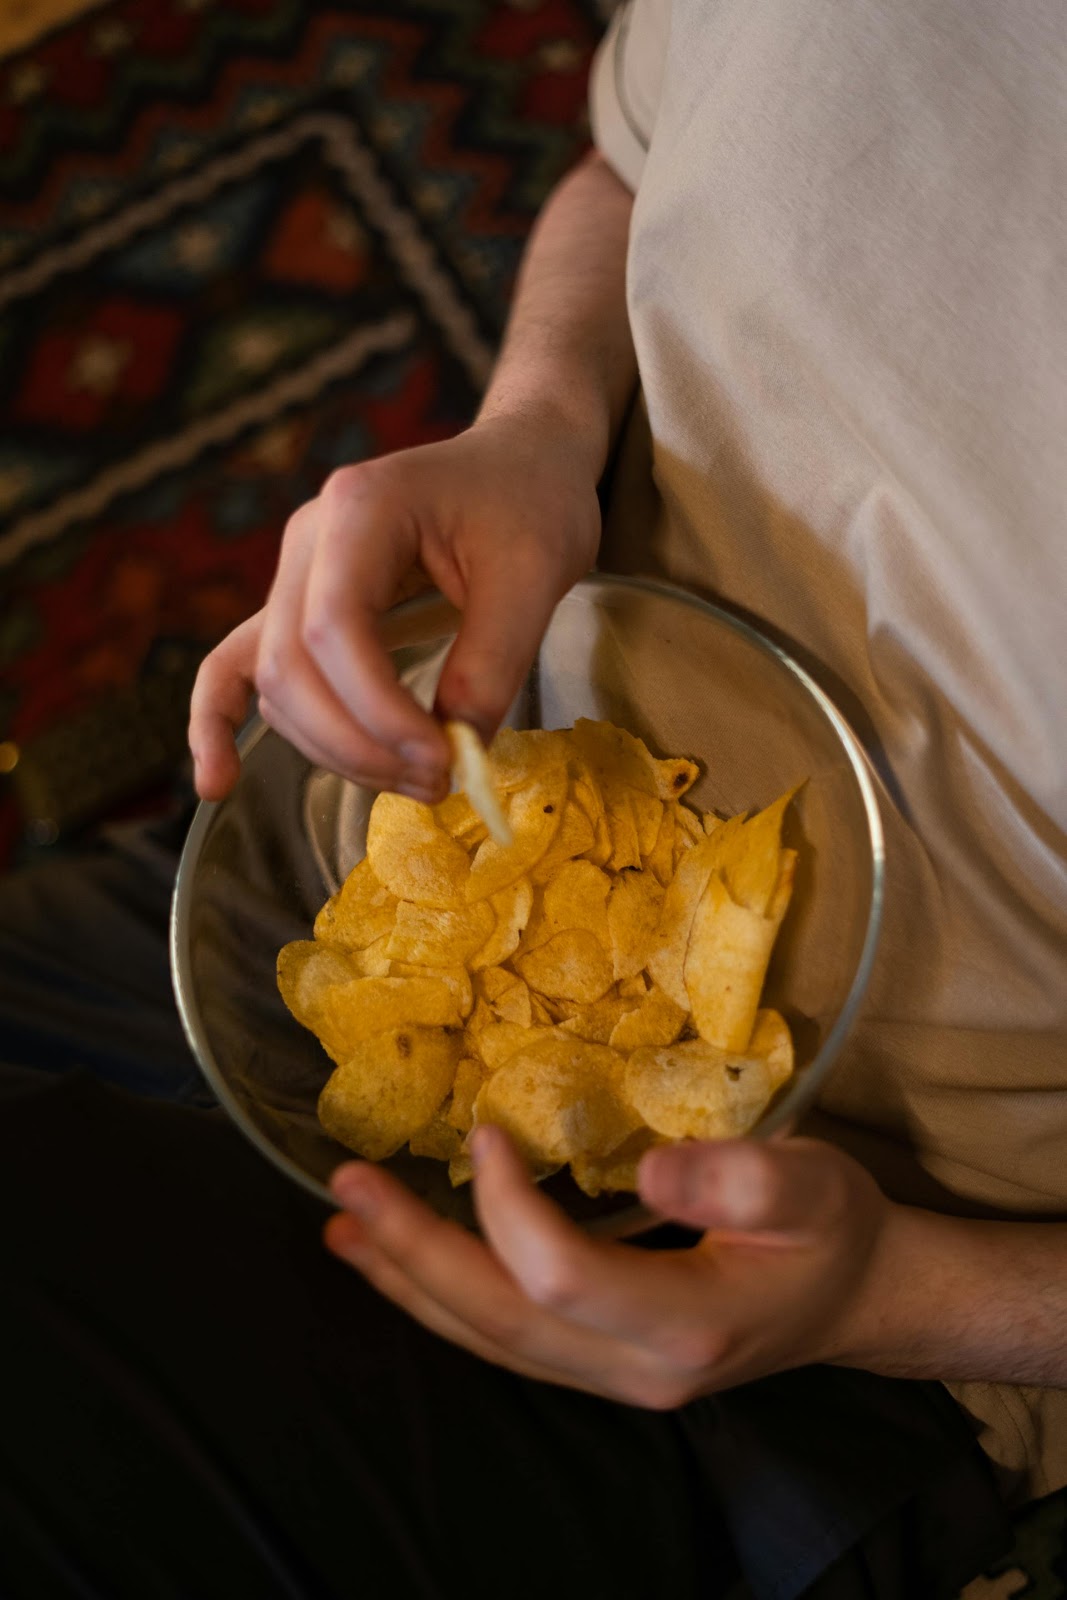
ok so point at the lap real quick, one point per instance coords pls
(199, 1401)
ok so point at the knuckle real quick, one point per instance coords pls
(270, 676)
(354, 482)
(556, 1285)
(320, 623)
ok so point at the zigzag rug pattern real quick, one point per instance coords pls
(239, 245)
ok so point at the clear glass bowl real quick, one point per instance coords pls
(687, 676)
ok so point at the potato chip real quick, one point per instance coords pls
(557, 1100)
(388, 1087)
(512, 908)
(666, 963)
(470, 1075)
(438, 1140)
(343, 1015)
(656, 1021)
(725, 965)
(597, 1023)
(577, 897)
(583, 956)
(647, 814)
(730, 949)
(472, 772)
(458, 818)
(307, 970)
(772, 1041)
(457, 979)
(432, 937)
(501, 1040)
(534, 813)
(412, 856)
(633, 913)
(696, 1091)
(607, 1174)
(513, 1004)
(574, 838)
(360, 913)
(572, 965)
(521, 758)
(660, 859)
(634, 988)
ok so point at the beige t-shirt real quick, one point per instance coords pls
(847, 283)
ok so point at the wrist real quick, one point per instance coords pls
(553, 415)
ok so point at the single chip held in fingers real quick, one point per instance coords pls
(472, 772)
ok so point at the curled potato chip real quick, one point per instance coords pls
(522, 757)
(648, 814)
(660, 859)
(696, 1091)
(470, 1075)
(412, 856)
(656, 1021)
(513, 1004)
(457, 979)
(360, 913)
(772, 1040)
(729, 951)
(388, 1088)
(633, 913)
(430, 936)
(343, 1015)
(458, 818)
(473, 774)
(438, 1140)
(501, 1040)
(607, 1174)
(534, 814)
(572, 965)
(511, 908)
(577, 897)
(574, 838)
(597, 1023)
(557, 1100)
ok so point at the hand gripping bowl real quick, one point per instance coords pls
(692, 680)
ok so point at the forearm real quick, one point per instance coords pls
(568, 357)
(955, 1299)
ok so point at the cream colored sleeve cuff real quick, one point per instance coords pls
(624, 86)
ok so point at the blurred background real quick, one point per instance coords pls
(241, 243)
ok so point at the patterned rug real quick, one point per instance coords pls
(241, 242)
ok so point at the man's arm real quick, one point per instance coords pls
(503, 519)
(568, 352)
(956, 1299)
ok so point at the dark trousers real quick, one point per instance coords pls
(196, 1401)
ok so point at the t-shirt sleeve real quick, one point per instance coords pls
(624, 85)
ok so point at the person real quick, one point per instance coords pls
(805, 301)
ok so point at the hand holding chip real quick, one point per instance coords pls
(503, 520)
(787, 1260)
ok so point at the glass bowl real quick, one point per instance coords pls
(687, 676)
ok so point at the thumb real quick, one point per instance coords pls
(508, 606)
(742, 1185)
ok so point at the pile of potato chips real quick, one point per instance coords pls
(588, 977)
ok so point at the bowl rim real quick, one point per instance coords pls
(784, 1111)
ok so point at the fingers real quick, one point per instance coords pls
(366, 544)
(295, 697)
(444, 1264)
(508, 605)
(643, 1298)
(219, 705)
(743, 1185)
